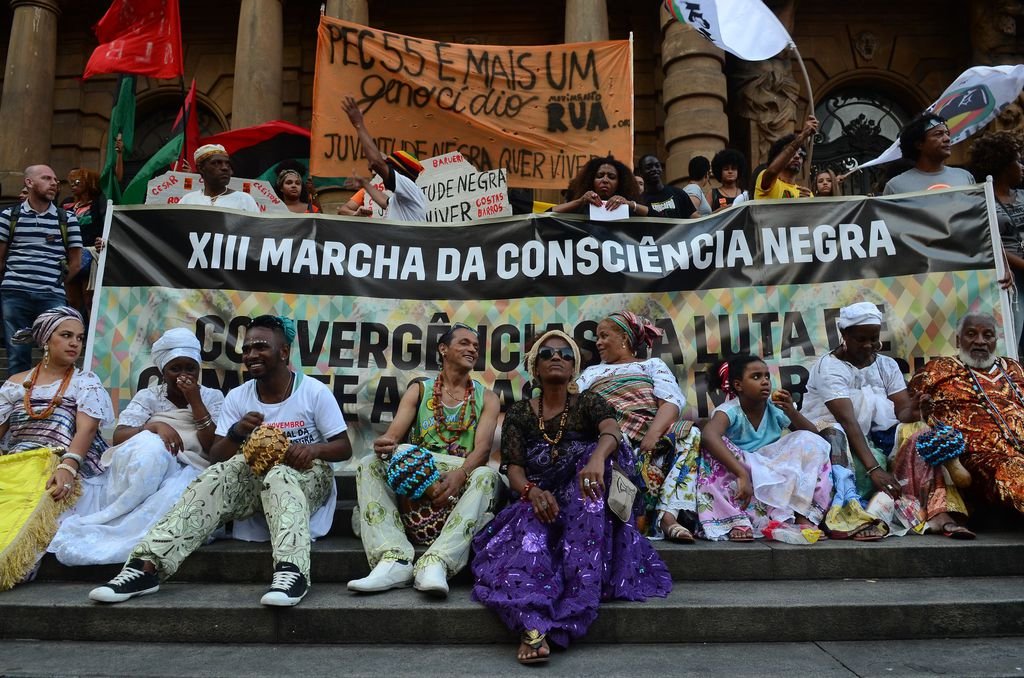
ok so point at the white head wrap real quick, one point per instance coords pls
(861, 313)
(175, 343)
(204, 152)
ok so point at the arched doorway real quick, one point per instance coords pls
(155, 122)
(855, 125)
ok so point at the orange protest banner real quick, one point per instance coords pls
(541, 112)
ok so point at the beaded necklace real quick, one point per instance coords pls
(441, 422)
(561, 424)
(990, 407)
(55, 401)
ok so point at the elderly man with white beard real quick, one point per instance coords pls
(980, 394)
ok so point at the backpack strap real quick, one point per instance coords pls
(62, 222)
(15, 211)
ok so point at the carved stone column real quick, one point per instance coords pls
(586, 20)
(26, 106)
(694, 95)
(356, 11)
(996, 30)
(258, 62)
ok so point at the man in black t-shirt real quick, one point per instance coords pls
(664, 201)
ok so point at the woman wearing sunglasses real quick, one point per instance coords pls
(546, 562)
(647, 402)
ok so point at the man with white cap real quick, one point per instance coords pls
(862, 393)
(214, 165)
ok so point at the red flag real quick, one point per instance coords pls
(187, 122)
(138, 36)
(254, 150)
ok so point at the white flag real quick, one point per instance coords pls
(972, 101)
(746, 28)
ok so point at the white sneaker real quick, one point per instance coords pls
(388, 574)
(432, 579)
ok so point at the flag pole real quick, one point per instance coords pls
(176, 165)
(810, 106)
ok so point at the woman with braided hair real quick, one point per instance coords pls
(648, 402)
(294, 193)
(752, 473)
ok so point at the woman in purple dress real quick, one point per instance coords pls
(546, 562)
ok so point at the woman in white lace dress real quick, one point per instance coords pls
(161, 442)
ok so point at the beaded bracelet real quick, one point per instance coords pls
(72, 471)
(71, 455)
(940, 445)
(525, 494)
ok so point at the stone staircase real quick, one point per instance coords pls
(37, 355)
(911, 588)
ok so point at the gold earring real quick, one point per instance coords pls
(46, 357)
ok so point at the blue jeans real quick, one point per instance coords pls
(20, 310)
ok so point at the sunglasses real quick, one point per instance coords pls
(565, 353)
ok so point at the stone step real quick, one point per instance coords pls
(980, 657)
(341, 558)
(342, 525)
(346, 481)
(706, 611)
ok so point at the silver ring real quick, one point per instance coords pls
(67, 486)
(586, 482)
(451, 500)
(543, 504)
